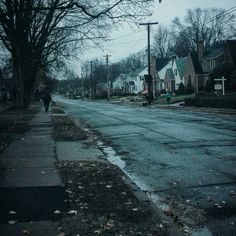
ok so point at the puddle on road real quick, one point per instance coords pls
(111, 155)
(115, 159)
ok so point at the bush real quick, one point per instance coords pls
(216, 102)
(189, 88)
(181, 89)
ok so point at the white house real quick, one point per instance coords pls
(118, 85)
(130, 83)
(161, 73)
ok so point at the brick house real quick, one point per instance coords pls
(200, 64)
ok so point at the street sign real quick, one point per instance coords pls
(218, 87)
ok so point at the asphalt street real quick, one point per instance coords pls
(185, 161)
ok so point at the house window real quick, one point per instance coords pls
(175, 72)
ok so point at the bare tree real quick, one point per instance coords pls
(162, 42)
(36, 32)
(210, 25)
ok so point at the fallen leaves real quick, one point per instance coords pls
(57, 212)
(12, 222)
(12, 212)
(98, 199)
(25, 231)
(72, 212)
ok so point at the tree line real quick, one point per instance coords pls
(41, 34)
(211, 26)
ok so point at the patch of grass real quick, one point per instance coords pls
(64, 129)
(57, 110)
(60, 119)
(174, 99)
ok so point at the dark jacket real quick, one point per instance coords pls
(47, 98)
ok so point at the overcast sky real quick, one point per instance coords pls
(127, 40)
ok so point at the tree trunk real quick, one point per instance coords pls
(24, 78)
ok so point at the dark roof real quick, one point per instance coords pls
(181, 64)
(169, 74)
(232, 48)
(215, 50)
(161, 63)
(214, 53)
(196, 65)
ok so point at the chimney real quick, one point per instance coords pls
(200, 50)
(173, 58)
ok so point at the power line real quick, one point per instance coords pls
(125, 35)
(126, 42)
(230, 10)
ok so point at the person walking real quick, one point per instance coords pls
(46, 100)
(168, 96)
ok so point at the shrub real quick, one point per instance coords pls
(216, 102)
(181, 89)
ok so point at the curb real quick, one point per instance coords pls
(170, 227)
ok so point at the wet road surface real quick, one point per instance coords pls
(184, 161)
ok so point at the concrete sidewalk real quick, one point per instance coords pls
(30, 186)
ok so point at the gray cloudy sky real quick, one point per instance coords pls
(129, 40)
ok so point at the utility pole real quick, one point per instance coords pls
(149, 79)
(108, 80)
(91, 80)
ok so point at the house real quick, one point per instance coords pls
(178, 69)
(162, 64)
(170, 73)
(119, 85)
(136, 80)
(131, 83)
(199, 64)
(169, 80)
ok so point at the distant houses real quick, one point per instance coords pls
(168, 73)
(131, 83)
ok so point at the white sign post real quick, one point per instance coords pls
(219, 86)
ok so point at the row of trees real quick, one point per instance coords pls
(210, 25)
(94, 73)
(41, 33)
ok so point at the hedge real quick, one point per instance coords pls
(216, 102)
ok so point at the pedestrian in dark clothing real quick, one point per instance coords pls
(168, 97)
(46, 100)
